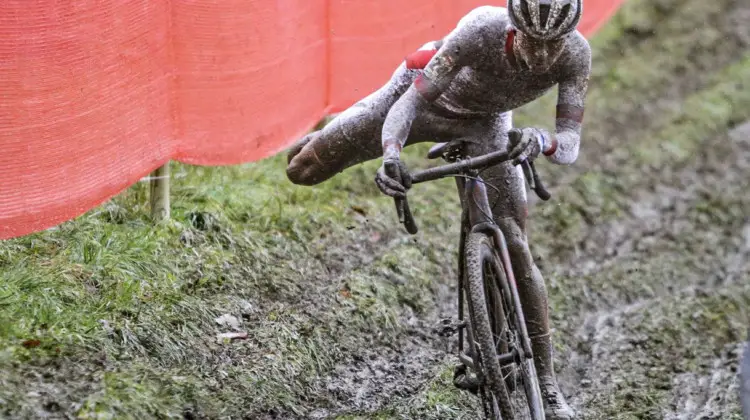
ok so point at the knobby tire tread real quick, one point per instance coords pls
(475, 256)
(527, 368)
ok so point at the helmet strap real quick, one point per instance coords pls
(509, 52)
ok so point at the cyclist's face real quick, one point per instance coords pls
(537, 54)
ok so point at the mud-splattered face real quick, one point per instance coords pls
(539, 55)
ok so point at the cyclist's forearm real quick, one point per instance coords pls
(398, 122)
(570, 110)
(423, 91)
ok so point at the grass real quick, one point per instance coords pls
(109, 316)
(133, 305)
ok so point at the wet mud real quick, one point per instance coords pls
(665, 265)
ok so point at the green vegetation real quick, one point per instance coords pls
(108, 316)
(127, 309)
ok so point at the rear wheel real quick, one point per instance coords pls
(508, 384)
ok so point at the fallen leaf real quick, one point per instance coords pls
(30, 344)
(247, 307)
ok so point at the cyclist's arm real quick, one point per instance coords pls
(562, 147)
(458, 51)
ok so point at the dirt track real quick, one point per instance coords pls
(620, 341)
(687, 236)
(660, 321)
(654, 286)
(645, 248)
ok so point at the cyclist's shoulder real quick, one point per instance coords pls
(483, 21)
(486, 15)
(578, 44)
(577, 56)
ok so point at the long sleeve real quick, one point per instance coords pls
(457, 51)
(565, 143)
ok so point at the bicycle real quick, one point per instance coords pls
(494, 348)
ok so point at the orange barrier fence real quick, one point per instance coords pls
(95, 94)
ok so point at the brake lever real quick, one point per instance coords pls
(408, 220)
(402, 205)
(528, 173)
(538, 187)
(535, 183)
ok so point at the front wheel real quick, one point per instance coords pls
(494, 330)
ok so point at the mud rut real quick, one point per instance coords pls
(660, 224)
(607, 347)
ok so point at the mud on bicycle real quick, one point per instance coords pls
(494, 349)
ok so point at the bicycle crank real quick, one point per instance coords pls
(448, 326)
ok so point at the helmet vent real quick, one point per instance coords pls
(526, 12)
(545, 19)
(544, 10)
(565, 12)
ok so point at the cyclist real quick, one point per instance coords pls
(464, 88)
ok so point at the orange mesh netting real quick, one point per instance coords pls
(96, 94)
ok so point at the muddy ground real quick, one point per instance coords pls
(645, 247)
(650, 293)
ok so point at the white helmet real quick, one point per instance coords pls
(545, 19)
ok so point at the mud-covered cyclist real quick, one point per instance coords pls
(494, 61)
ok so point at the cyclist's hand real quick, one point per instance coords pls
(525, 144)
(393, 178)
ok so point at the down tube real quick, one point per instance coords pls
(477, 202)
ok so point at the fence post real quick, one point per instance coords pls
(159, 193)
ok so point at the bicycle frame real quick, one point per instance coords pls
(458, 168)
(478, 224)
(477, 217)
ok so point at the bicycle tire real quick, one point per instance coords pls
(476, 249)
(488, 300)
(528, 375)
